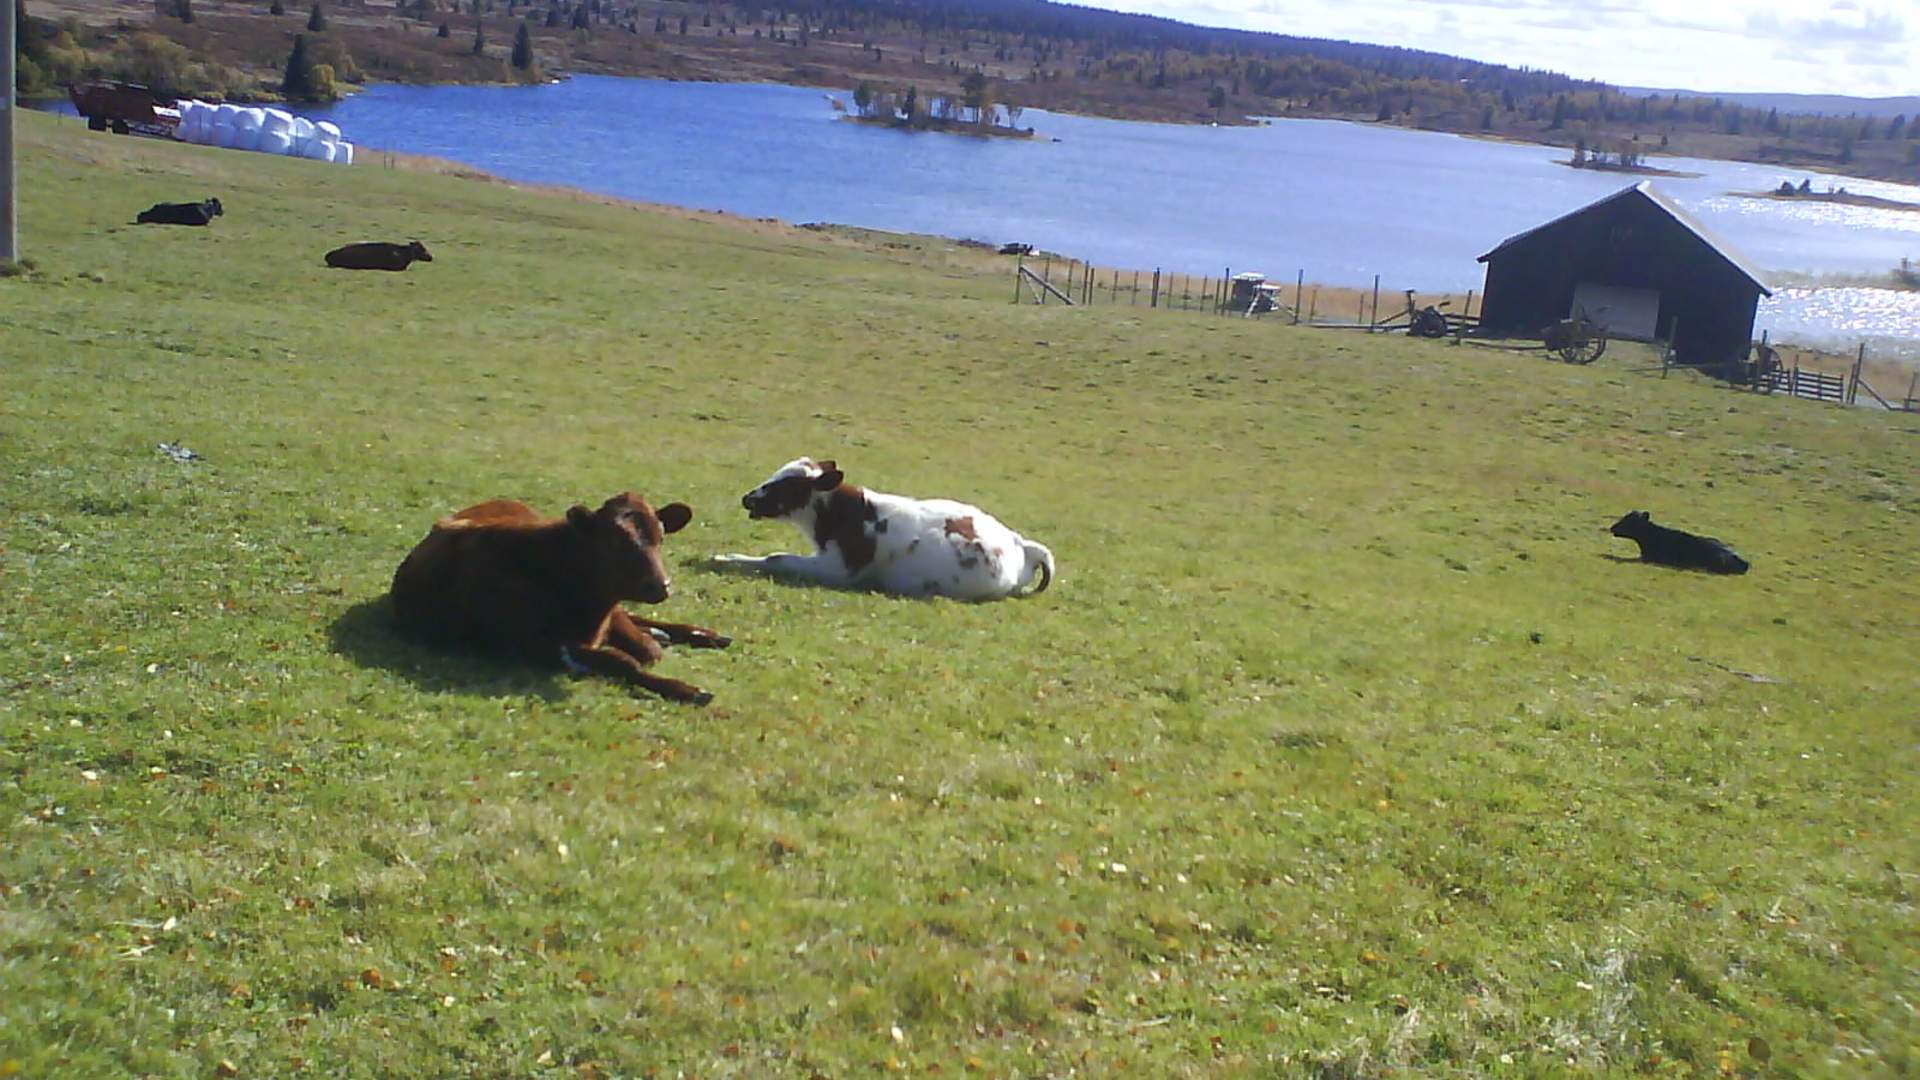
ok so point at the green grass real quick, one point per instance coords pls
(1339, 747)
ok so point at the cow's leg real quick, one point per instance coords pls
(616, 663)
(624, 634)
(698, 637)
(819, 569)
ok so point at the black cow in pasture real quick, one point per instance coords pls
(1671, 547)
(181, 213)
(378, 255)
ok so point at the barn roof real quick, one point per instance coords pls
(1647, 191)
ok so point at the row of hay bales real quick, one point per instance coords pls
(268, 131)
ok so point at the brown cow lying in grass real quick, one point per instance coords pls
(378, 255)
(499, 576)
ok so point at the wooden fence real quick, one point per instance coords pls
(1812, 385)
(1043, 280)
(1770, 376)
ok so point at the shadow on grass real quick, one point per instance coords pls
(365, 634)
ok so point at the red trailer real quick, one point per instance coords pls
(125, 108)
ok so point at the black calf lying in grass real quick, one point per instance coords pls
(172, 213)
(378, 255)
(1671, 547)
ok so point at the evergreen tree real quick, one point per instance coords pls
(317, 19)
(444, 31)
(479, 38)
(523, 49)
(184, 9)
(277, 8)
(298, 82)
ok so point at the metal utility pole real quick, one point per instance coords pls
(9, 238)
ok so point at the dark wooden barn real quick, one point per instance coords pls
(1635, 262)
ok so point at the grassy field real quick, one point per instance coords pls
(1346, 743)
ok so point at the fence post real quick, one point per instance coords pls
(1019, 267)
(1313, 303)
(1468, 310)
(1375, 321)
(1153, 301)
(1853, 384)
(1133, 291)
(1299, 283)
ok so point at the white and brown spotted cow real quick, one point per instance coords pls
(871, 540)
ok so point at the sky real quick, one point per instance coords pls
(1863, 48)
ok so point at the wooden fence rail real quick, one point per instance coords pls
(1812, 385)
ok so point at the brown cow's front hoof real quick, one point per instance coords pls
(710, 641)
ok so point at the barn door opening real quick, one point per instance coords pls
(1633, 314)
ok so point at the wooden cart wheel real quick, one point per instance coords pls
(1586, 349)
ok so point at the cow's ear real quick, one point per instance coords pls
(828, 479)
(579, 516)
(1643, 515)
(674, 517)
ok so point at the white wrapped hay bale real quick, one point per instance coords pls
(319, 149)
(302, 134)
(275, 142)
(201, 122)
(246, 129)
(343, 153)
(326, 129)
(276, 120)
(189, 119)
(221, 132)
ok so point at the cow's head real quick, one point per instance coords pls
(418, 251)
(214, 209)
(619, 545)
(791, 488)
(1634, 523)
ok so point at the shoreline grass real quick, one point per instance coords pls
(1345, 744)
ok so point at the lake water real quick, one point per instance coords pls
(1340, 201)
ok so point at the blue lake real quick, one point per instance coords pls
(1340, 201)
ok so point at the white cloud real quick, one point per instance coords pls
(1867, 47)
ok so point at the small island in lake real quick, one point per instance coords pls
(1803, 192)
(972, 112)
(1620, 157)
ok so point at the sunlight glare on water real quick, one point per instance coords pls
(1886, 320)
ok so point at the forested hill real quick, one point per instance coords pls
(1094, 34)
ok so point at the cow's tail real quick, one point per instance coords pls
(1039, 565)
